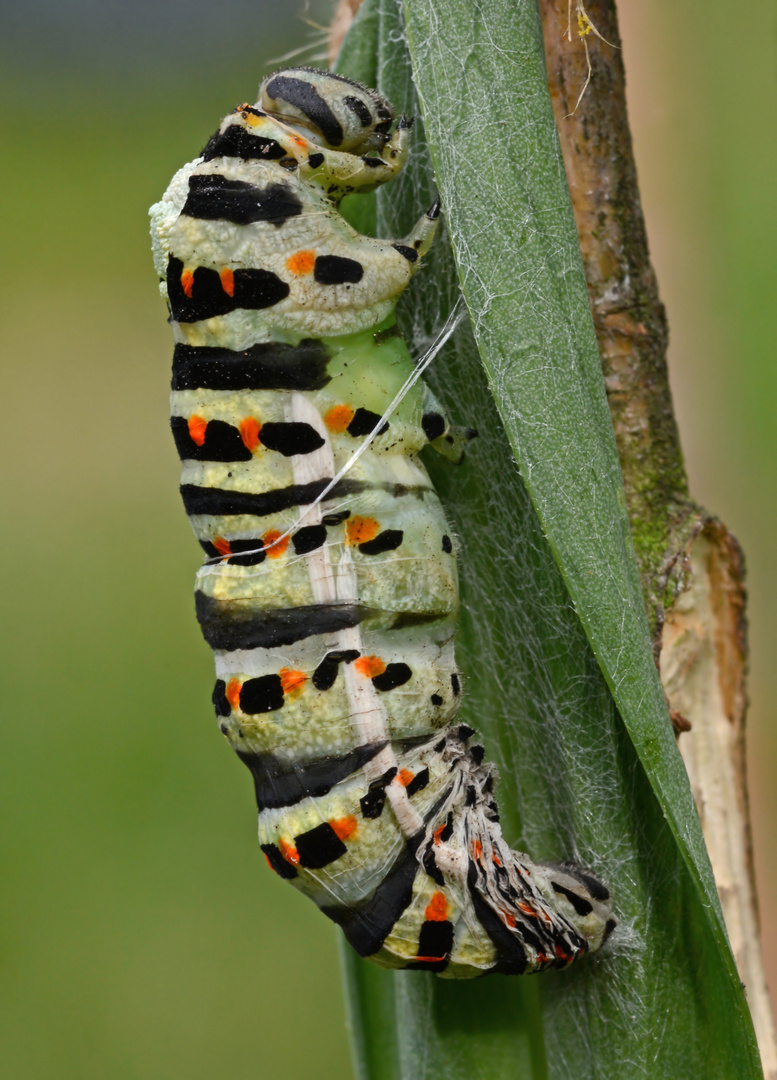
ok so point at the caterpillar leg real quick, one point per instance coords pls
(396, 261)
(418, 241)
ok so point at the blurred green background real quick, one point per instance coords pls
(142, 934)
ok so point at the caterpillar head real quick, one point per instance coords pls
(331, 110)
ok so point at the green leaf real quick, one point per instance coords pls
(553, 638)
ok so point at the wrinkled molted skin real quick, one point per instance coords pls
(332, 620)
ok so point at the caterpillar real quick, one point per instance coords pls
(329, 591)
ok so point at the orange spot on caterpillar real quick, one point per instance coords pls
(338, 418)
(301, 262)
(369, 666)
(343, 827)
(187, 282)
(527, 909)
(437, 834)
(561, 954)
(197, 426)
(272, 546)
(232, 693)
(542, 958)
(509, 919)
(429, 959)
(405, 777)
(267, 860)
(437, 908)
(477, 850)
(222, 546)
(495, 857)
(227, 281)
(249, 432)
(359, 530)
(292, 680)
(289, 852)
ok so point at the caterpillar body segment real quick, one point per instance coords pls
(331, 608)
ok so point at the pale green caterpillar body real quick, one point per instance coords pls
(330, 593)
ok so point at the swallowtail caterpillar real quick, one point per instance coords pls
(331, 608)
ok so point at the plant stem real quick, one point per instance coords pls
(691, 566)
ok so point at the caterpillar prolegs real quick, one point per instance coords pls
(329, 594)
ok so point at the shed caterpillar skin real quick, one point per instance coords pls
(332, 622)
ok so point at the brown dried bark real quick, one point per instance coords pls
(629, 317)
(691, 566)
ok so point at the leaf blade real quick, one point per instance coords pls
(514, 265)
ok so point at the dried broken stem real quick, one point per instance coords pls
(691, 566)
